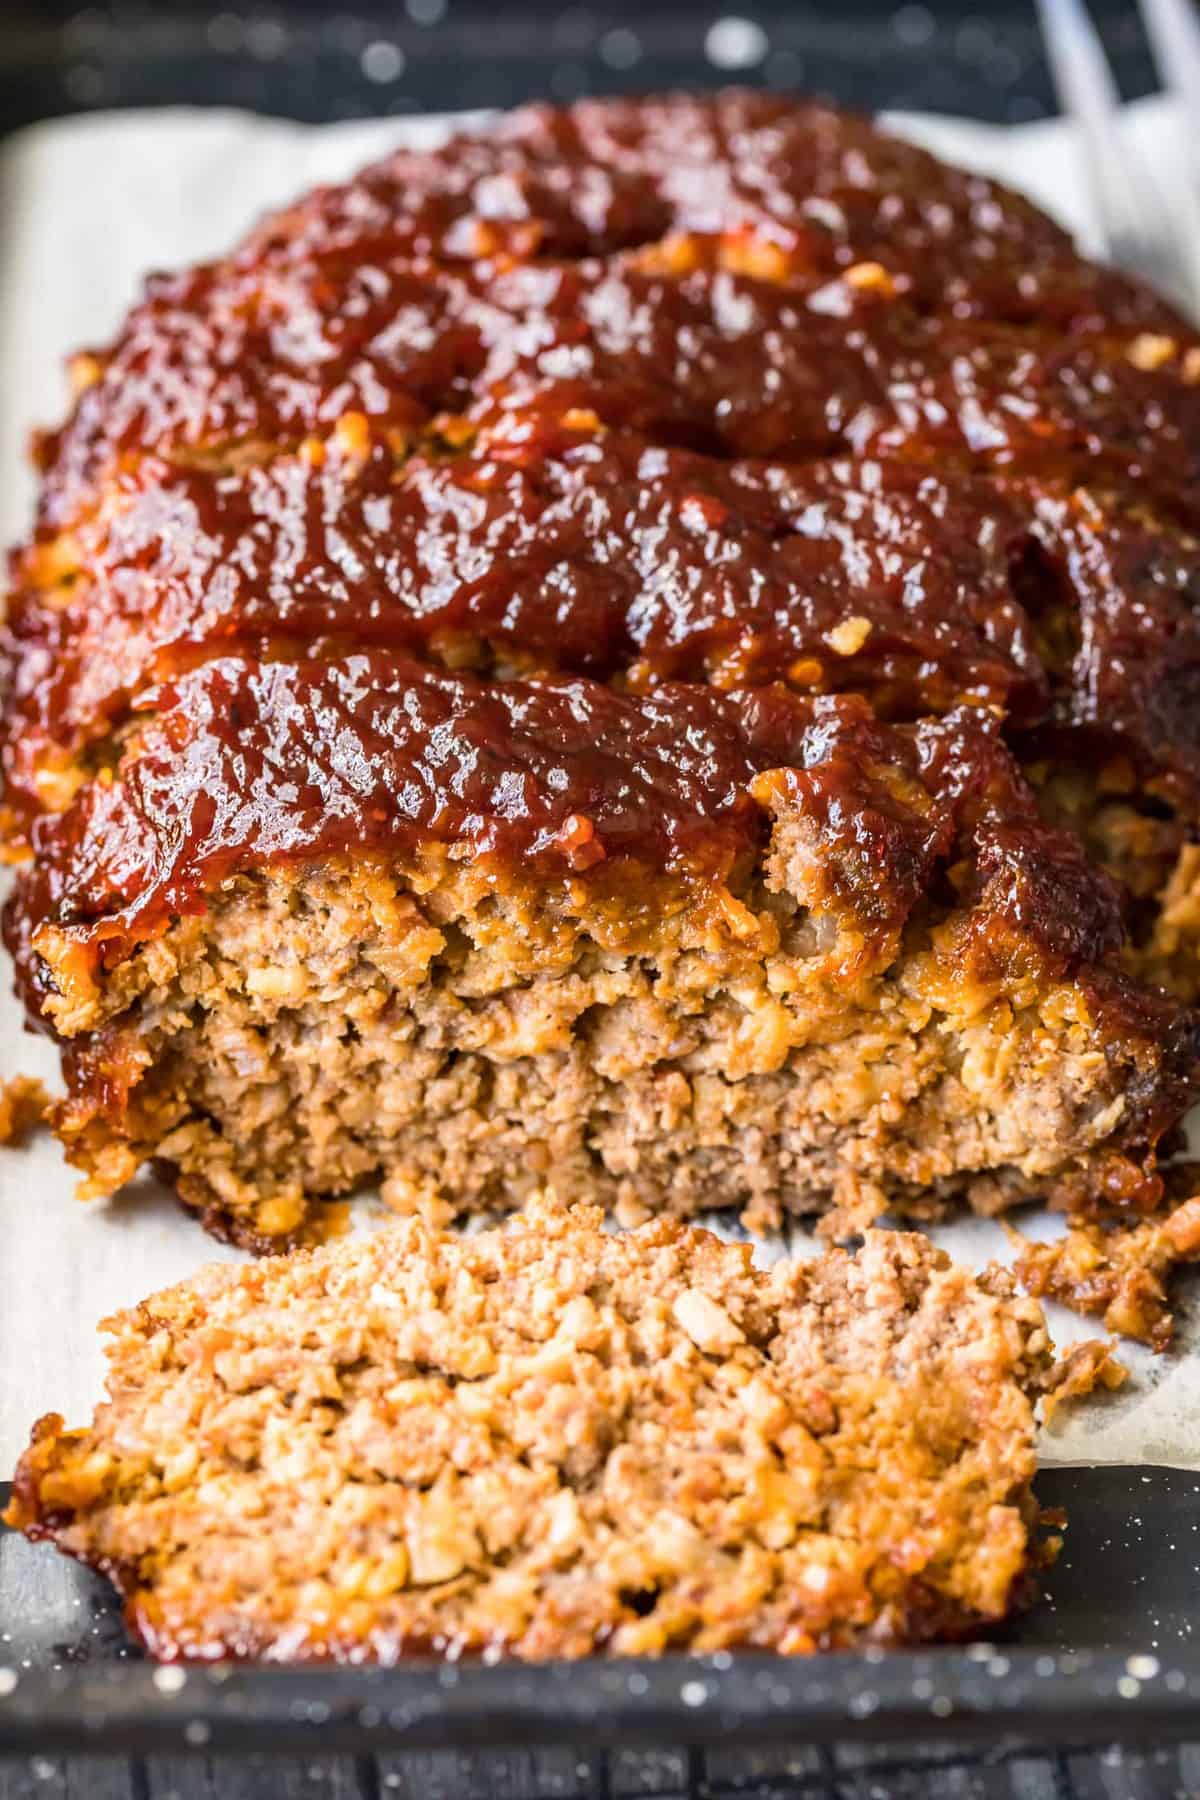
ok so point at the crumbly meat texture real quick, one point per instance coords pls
(1084, 1369)
(548, 1440)
(1121, 1271)
(308, 1033)
(24, 1106)
(657, 641)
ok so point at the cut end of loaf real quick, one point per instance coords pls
(461, 1041)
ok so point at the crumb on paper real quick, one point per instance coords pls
(1082, 1370)
(1114, 1270)
(24, 1104)
(332, 1220)
(416, 1197)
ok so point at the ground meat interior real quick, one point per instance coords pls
(659, 642)
(550, 1440)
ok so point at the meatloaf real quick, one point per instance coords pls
(655, 643)
(547, 1440)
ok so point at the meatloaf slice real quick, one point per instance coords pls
(658, 642)
(546, 1440)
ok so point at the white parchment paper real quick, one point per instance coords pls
(87, 207)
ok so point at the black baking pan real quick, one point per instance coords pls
(1095, 1693)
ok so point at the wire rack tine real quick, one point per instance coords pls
(1136, 231)
(1174, 33)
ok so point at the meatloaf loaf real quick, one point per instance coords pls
(656, 643)
(547, 1440)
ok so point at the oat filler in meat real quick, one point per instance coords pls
(545, 1440)
(655, 644)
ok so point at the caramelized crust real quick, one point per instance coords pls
(726, 581)
(551, 1441)
(227, 774)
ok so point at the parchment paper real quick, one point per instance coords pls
(87, 207)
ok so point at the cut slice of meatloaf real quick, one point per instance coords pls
(657, 642)
(546, 1440)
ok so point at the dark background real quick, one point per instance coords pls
(317, 59)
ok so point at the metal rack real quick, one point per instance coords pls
(964, 1773)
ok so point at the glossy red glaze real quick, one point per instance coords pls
(643, 412)
(245, 764)
(607, 556)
